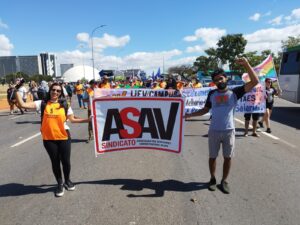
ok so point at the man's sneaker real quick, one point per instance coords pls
(212, 185)
(261, 124)
(69, 185)
(268, 130)
(59, 192)
(224, 187)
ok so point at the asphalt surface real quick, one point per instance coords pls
(152, 187)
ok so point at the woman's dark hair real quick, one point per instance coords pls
(61, 97)
(271, 82)
(171, 83)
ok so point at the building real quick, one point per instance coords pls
(48, 62)
(8, 65)
(44, 64)
(80, 72)
(65, 67)
(29, 65)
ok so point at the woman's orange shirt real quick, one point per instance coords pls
(53, 124)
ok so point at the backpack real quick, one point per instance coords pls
(62, 102)
(41, 93)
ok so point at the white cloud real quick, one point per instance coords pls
(195, 49)
(296, 14)
(3, 25)
(208, 36)
(277, 20)
(103, 42)
(110, 41)
(5, 46)
(147, 61)
(83, 37)
(255, 17)
(270, 38)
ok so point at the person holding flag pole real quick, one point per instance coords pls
(222, 102)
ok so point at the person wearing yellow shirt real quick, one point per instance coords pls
(105, 83)
(55, 133)
(78, 89)
(197, 84)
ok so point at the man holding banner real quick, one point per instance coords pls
(222, 102)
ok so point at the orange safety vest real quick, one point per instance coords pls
(54, 119)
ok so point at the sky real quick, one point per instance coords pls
(143, 34)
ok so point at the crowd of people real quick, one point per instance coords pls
(53, 101)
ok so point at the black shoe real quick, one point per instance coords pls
(261, 124)
(268, 130)
(212, 185)
(69, 185)
(59, 192)
(224, 187)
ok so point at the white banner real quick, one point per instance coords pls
(195, 98)
(138, 123)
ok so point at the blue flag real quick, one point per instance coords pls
(157, 74)
(153, 77)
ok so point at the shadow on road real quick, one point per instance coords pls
(14, 189)
(159, 187)
(78, 140)
(25, 122)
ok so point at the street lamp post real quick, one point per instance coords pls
(93, 48)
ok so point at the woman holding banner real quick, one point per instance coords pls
(55, 132)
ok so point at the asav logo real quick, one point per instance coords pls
(154, 126)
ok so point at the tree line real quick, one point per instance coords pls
(228, 48)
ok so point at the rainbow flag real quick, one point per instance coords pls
(266, 69)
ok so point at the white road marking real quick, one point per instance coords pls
(269, 135)
(25, 140)
(15, 117)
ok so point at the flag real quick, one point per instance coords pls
(153, 77)
(157, 75)
(266, 69)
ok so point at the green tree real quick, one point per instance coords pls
(229, 47)
(209, 62)
(290, 42)
(185, 71)
(202, 63)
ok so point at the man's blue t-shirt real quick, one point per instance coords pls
(222, 105)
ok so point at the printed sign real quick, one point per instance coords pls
(138, 123)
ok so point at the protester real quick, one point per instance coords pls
(222, 102)
(69, 91)
(55, 132)
(255, 117)
(90, 94)
(11, 99)
(78, 89)
(105, 82)
(197, 83)
(270, 93)
(22, 90)
(33, 89)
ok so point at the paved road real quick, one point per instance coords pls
(151, 187)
